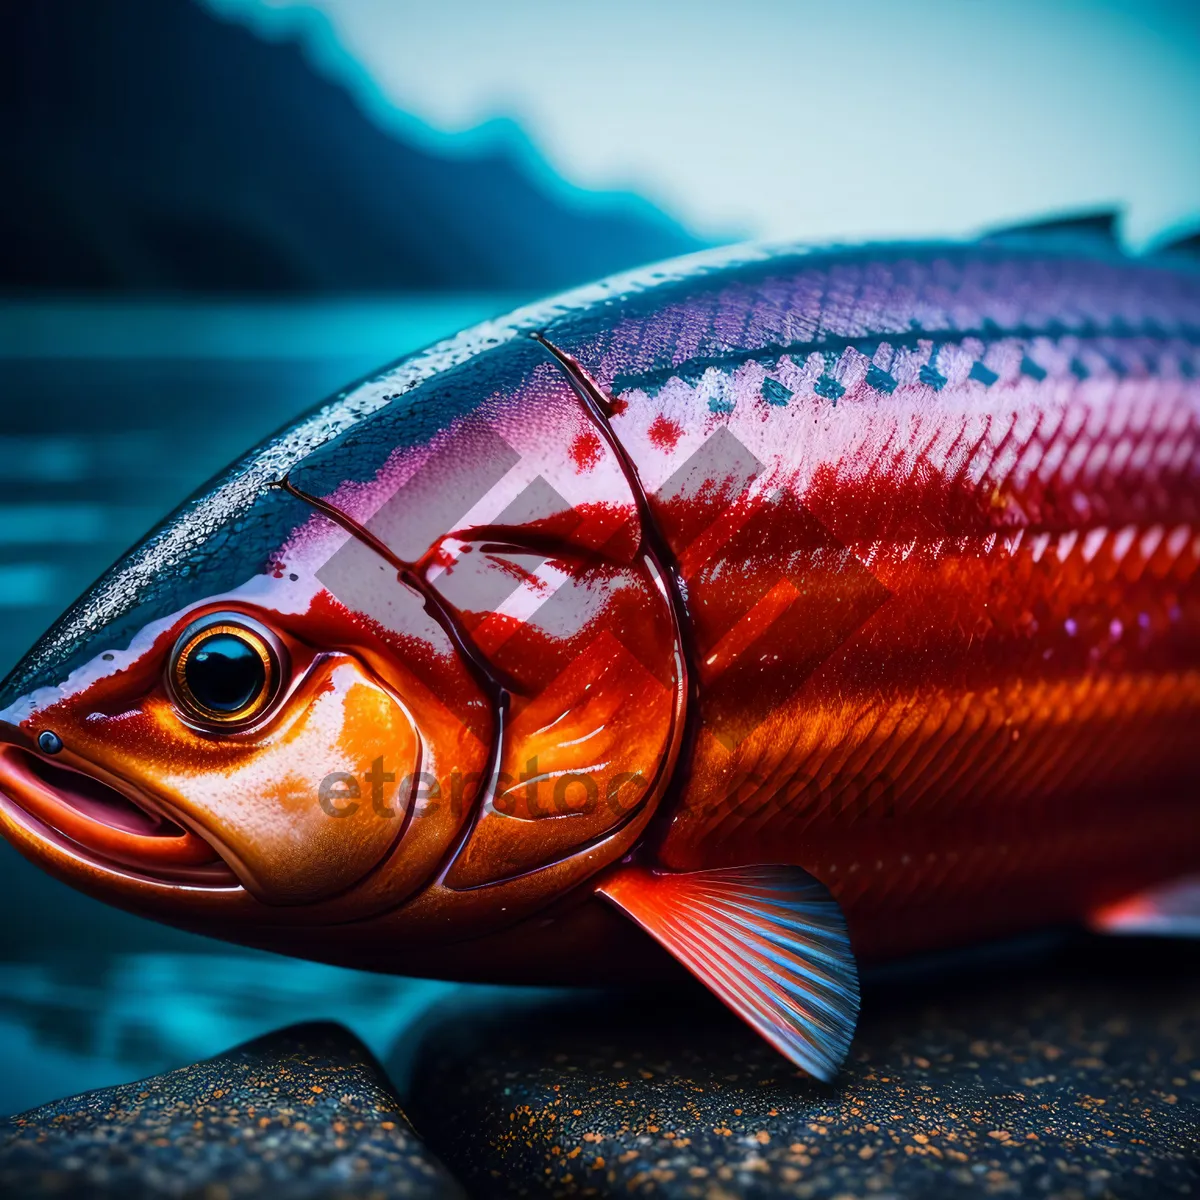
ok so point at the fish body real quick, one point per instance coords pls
(763, 597)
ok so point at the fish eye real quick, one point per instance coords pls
(225, 669)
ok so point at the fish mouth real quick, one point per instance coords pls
(113, 828)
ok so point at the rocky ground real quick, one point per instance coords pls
(303, 1113)
(1075, 1075)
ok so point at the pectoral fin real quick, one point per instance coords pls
(1172, 910)
(769, 940)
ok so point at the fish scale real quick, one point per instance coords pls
(789, 607)
(1075, 457)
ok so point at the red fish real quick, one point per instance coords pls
(795, 607)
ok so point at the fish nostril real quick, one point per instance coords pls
(49, 742)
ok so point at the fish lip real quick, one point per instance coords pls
(82, 835)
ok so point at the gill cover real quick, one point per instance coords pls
(518, 527)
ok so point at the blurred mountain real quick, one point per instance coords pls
(152, 146)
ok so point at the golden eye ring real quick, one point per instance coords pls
(226, 670)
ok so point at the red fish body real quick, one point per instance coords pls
(758, 598)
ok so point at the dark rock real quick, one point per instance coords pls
(1077, 1079)
(302, 1113)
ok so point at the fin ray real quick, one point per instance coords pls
(770, 941)
(790, 987)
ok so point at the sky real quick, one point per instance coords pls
(792, 119)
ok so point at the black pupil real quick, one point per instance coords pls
(224, 673)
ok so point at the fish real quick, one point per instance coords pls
(757, 615)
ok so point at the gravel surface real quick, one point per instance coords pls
(1072, 1074)
(1078, 1079)
(302, 1113)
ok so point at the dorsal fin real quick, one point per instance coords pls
(769, 940)
(1099, 226)
(1184, 243)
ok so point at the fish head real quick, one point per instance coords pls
(410, 685)
(230, 743)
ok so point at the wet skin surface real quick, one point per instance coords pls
(881, 563)
(874, 566)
